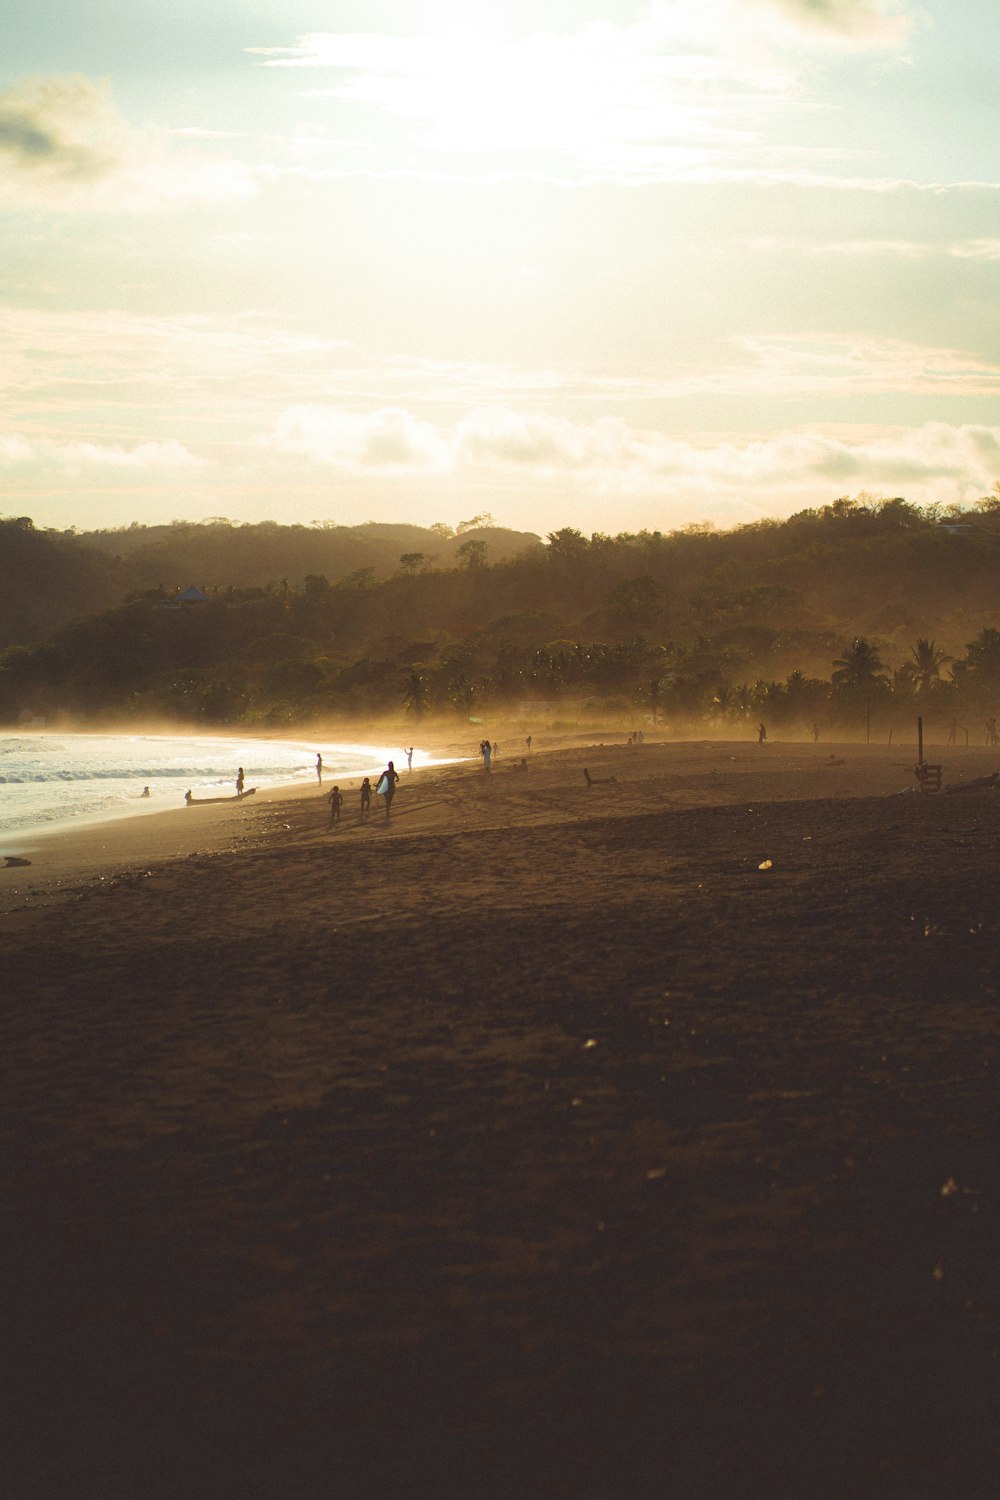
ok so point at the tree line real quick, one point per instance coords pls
(856, 613)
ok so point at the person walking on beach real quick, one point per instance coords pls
(336, 802)
(240, 782)
(761, 733)
(486, 750)
(366, 797)
(387, 786)
(319, 769)
(528, 743)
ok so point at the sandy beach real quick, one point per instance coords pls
(638, 1140)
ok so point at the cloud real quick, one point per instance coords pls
(131, 364)
(17, 450)
(167, 455)
(855, 365)
(62, 127)
(389, 441)
(613, 461)
(64, 146)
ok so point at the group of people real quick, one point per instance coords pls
(989, 729)
(488, 752)
(384, 788)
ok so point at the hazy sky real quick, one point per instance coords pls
(610, 265)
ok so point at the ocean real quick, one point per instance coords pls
(52, 781)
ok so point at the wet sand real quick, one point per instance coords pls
(541, 1142)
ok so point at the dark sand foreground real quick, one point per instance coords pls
(544, 1143)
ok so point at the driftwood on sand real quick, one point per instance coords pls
(598, 780)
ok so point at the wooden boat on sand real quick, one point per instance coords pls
(205, 801)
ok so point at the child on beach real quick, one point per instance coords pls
(336, 802)
(240, 782)
(366, 797)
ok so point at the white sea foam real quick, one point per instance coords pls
(50, 780)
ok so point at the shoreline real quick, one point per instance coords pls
(51, 858)
(67, 859)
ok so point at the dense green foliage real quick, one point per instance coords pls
(859, 608)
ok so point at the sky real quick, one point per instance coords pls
(587, 263)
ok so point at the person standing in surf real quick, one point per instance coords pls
(319, 769)
(240, 782)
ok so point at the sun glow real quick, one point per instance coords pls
(471, 89)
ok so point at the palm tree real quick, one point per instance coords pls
(927, 664)
(723, 701)
(860, 666)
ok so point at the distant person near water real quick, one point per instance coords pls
(319, 769)
(409, 759)
(366, 797)
(145, 791)
(528, 743)
(387, 785)
(240, 782)
(761, 733)
(486, 751)
(815, 734)
(336, 802)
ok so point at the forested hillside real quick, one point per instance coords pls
(49, 578)
(865, 606)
